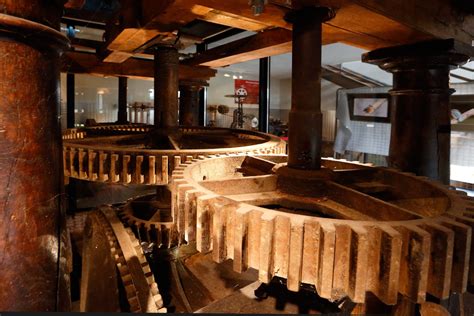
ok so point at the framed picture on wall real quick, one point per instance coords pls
(369, 107)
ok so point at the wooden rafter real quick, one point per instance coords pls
(86, 63)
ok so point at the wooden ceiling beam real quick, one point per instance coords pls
(85, 15)
(369, 24)
(263, 44)
(439, 18)
(87, 63)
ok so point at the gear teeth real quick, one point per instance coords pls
(156, 232)
(339, 257)
(102, 165)
(113, 228)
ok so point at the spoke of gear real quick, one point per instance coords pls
(347, 230)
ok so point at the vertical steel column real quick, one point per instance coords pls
(166, 86)
(264, 94)
(71, 98)
(189, 105)
(203, 93)
(33, 270)
(122, 100)
(305, 119)
(421, 131)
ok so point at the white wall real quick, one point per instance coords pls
(90, 91)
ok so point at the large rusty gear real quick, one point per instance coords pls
(122, 154)
(346, 229)
(137, 279)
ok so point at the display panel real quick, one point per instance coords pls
(369, 107)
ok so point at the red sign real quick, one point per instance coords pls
(248, 88)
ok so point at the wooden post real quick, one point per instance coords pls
(122, 101)
(189, 105)
(305, 119)
(264, 94)
(202, 93)
(166, 86)
(33, 271)
(71, 98)
(421, 131)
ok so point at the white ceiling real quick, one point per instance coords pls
(332, 54)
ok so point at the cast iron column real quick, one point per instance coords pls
(33, 273)
(71, 98)
(305, 119)
(420, 115)
(166, 86)
(122, 100)
(189, 105)
(264, 94)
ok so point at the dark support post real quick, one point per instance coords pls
(189, 105)
(71, 97)
(264, 94)
(305, 119)
(122, 100)
(71, 106)
(166, 86)
(34, 274)
(203, 92)
(420, 115)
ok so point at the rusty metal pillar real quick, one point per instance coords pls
(33, 272)
(189, 104)
(305, 119)
(420, 114)
(166, 86)
(122, 100)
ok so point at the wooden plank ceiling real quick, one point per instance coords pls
(367, 24)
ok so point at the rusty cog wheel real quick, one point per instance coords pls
(137, 279)
(346, 229)
(151, 220)
(129, 154)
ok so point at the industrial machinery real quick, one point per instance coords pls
(345, 230)
(138, 154)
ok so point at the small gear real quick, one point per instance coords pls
(151, 220)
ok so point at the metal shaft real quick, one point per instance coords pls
(166, 86)
(305, 119)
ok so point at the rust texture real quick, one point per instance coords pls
(166, 86)
(305, 119)
(189, 105)
(420, 136)
(33, 245)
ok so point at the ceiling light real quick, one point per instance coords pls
(240, 77)
(234, 77)
(226, 75)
